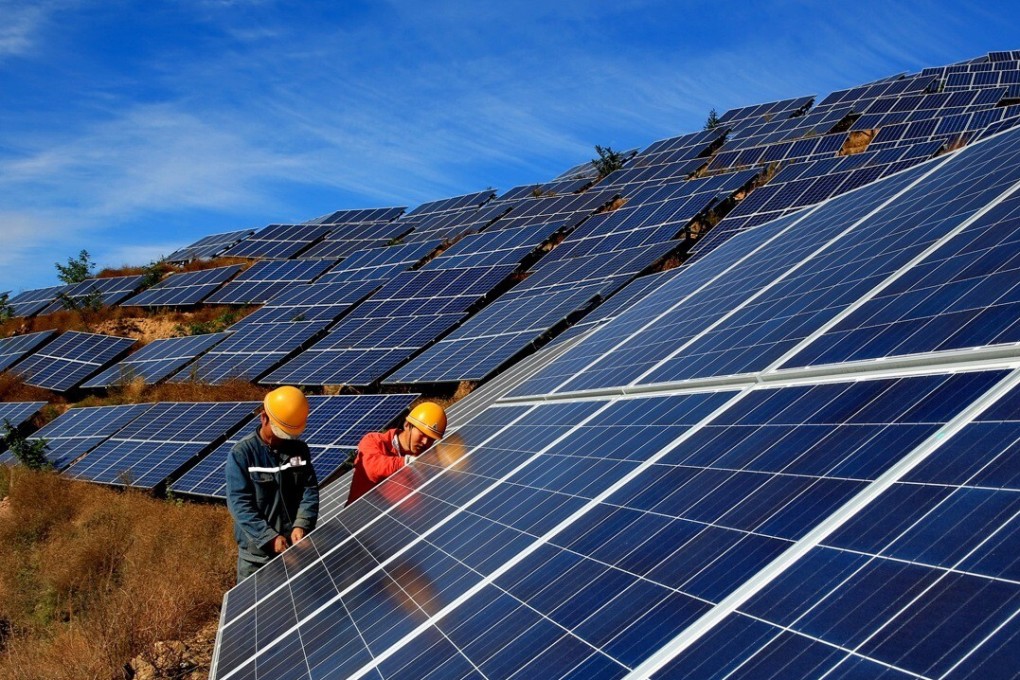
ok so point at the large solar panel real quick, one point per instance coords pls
(66, 361)
(249, 352)
(406, 315)
(209, 246)
(599, 554)
(16, 347)
(77, 431)
(156, 360)
(263, 280)
(158, 443)
(335, 426)
(184, 289)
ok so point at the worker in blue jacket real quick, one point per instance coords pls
(272, 492)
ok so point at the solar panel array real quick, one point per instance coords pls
(589, 265)
(335, 426)
(78, 430)
(209, 246)
(158, 443)
(265, 279)
(184, 289)
(16, 347)
(399, 320)
(793, 458)
(68, 360)
(156, 361)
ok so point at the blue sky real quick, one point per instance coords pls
(134, 128)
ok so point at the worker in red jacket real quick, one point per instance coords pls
(380, 454)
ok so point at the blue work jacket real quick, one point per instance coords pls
(269, 492)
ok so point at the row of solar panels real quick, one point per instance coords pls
(186, 444)
(796, 457)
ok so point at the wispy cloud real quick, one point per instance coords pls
(245, 112)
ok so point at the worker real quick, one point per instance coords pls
(272, 492)
(380, 454)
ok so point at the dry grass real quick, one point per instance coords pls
(857, 142)
(13, 388)
(138, 392)
(90, 577)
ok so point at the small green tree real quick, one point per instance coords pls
(77, 269)
(91, 301)
(608, 160)
(29, 452)
(713, 120)
(6, 310)
(153, 273)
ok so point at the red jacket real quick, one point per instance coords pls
(377, 459)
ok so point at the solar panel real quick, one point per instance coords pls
(556, 293)
(209, 246)
(184, 289)
(310, 302)
(158, 443)
(156, 360)
(406, 315)
(16, 347)
(249, 352)
(373, 264)
(265, 279)
(279, 241)
(603, 554)
(335, 426)
(344, 239)
(17, 413)
(106, 292)
(489, 248)
(78, 430)
(31, 302)
(70, 358)
(360, 215)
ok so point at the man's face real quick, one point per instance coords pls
(417, 440)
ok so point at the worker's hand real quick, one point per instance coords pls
(296, 534)
(408, 459)
(279, 544)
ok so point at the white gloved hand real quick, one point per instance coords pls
(408, 459)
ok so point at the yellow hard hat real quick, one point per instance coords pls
(287, 409)
(430, 418)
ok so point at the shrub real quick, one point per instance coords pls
(608, 160)
(77, 269)
(29, 452)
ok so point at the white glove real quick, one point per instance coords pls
(408, 459)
